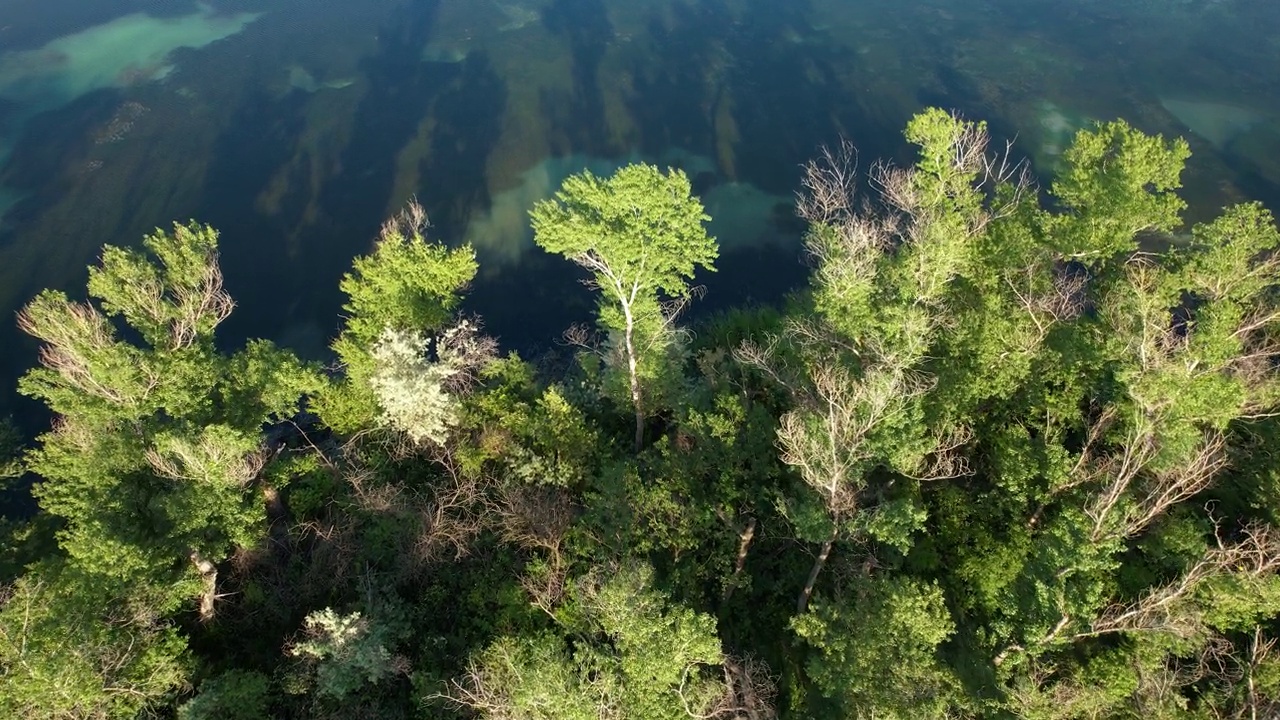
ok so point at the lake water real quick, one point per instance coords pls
(296, 126)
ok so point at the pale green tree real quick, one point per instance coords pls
(406, 288)
(348, 651)
(418, 383)
(642, 236)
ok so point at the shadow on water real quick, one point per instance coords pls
(670, 89)
(401, 90)
(528, 307)
(298, 287)
(799, 71)
(578, 122)
(8, 116)
(466, 121)
(59, 140)
(259, 138)
(756, 87)
(960, 93)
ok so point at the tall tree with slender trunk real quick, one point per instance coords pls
(641, 235)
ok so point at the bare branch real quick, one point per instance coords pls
(1162, 609)
(749, 691)
(945, 461)
(410, 222)
(829, 183)
(1148, 492)
(204, 303)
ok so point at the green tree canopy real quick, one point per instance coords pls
(157, 447)
(628, 653)
(408, 287)
(641, 235)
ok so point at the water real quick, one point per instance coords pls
(296, 126)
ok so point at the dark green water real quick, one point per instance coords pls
(296, 126)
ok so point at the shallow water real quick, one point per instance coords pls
(295, 126)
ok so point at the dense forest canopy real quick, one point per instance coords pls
(1009, 454)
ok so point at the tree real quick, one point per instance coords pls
(1076, 389)
(349, 651)
(418, 394)
(876, 649)
(1181, 349)
(233, 695)
(157, 449)
(860, 370)
(10, 450)
(69, 650)
(635, 655)
(407, 288)
(1015, 456)
(641, 236)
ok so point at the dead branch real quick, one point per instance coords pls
(829, 183)
(1117, 473)
(945, 461)
(826, 438)
(466, 350)
(452, 515)
(536, 518)
(207, 461)
(209, 574)
(1162, 489)
(1062, 300)
(195, 307)
(749, 694)
(78, 339)
(1161, 609)
(1257, 705)
(1148, 492)
(410, 222)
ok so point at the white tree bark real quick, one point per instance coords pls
(209, 572)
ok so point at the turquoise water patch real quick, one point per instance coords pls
(743, 215)
(128, 50)
(517, 16)
(501, 233)
(1258, 149)
(303, 80)
(466, 27)
(1055, 130)
(1218, 123)
(446, 51)
(1058, 127)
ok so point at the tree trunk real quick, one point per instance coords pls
(744, 543)
(634, 375)
(802, 603)
(209, 572)
(277, 523)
